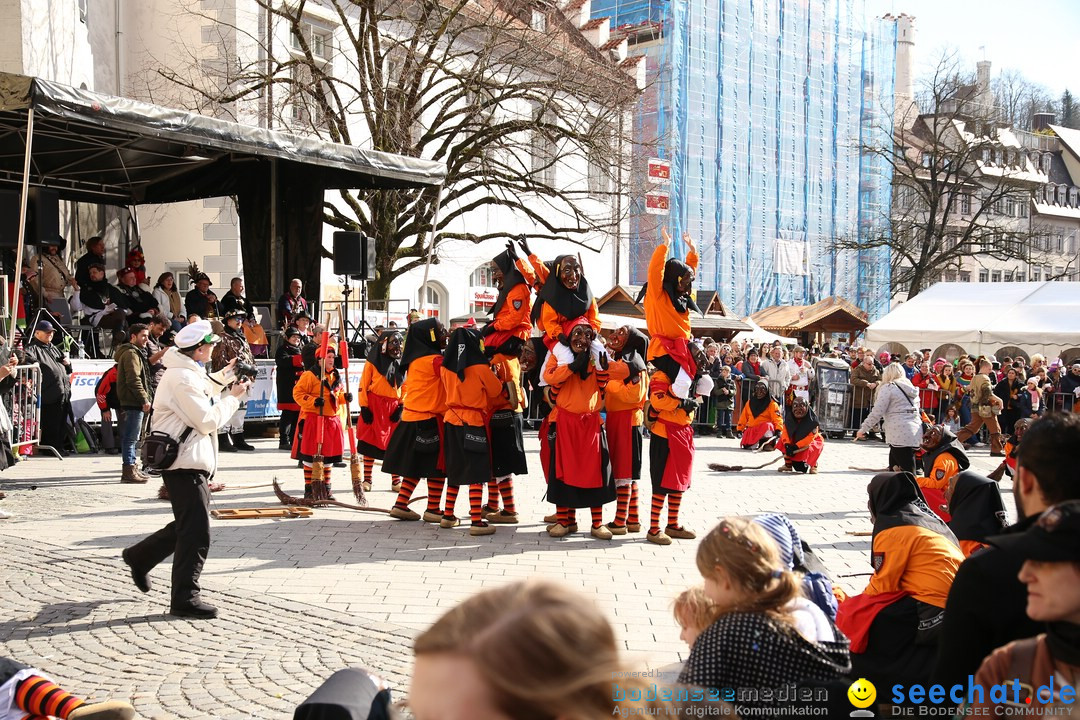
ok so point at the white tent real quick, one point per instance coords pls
(983, 318)
(759, 335)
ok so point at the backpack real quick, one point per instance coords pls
(86, 440)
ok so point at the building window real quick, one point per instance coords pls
(950, 276)
(432, 302)
(984, 276)
(181, 279)
(538, 21)
(965, 204)
(1009, 276)
(1059, 273)
(1046, 163)
(1072, 196)
(1021, 277)
(600, 158)
(965, 276)
(1036, 275)
(1022, 208)
(986, 156)
(543, 151)
(318, 39)
(995, 276)
(483, 276)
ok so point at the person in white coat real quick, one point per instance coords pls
(778, 373)
(190, 406)
(897, 404)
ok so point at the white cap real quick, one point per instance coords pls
(195, 334)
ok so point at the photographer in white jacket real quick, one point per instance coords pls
(188, 398)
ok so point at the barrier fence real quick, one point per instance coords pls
(25, 408)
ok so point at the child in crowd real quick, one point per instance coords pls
(754, 642)
(694, 612)
(952, 420)
(724, 398)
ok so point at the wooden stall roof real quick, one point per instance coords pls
(832, 314)
(619, 300)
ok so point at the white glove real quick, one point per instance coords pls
(681, 387)
(704, 386)
(596, 349)
(563, 354)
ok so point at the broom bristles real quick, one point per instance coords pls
(315, 501)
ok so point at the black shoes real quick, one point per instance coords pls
(139, 578)
(224, 443)
(197, 610)
(240, 443)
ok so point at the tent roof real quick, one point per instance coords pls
(98, 148)
(758, 335)
(983, 317)
(829, 315)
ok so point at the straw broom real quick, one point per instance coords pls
(717, 467)
(318, 485)
(354, 459)
(287, 499)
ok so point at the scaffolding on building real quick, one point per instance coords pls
(763, 109)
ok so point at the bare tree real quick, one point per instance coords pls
(507, 93)
(960, 191)
(1017, 99)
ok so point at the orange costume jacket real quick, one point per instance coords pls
(667, 406)
(915, 560)
(468, 400)
(771, 414)
(785, 439)
(621, 395)
(660, 316)
(570, 391)
(306, 392)
(507, 369)
(551, 322)
(371, 381)
(422, 392)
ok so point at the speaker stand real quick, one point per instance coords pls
(357, 330)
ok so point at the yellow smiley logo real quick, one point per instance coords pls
(862, 693)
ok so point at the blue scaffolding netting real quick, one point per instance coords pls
(763, 108)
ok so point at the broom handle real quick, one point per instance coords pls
(345, 364)
(324, 343)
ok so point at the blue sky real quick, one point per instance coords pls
(1038, 37)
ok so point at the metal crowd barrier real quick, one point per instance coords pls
(25, 407)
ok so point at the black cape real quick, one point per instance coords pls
(798, 429)
(976, 507)
(896, 500)
(512, 277)
(568, 303)
(633, 352)
(948, 444)
(421, 340)
(465, 349)
(385, 365)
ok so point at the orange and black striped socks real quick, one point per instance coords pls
(597, 516)
(326, 477)
(622, 504)
(41, 697)
(476, 504)
(451, 500)
(369, 463)
(492, 496)
(674, 500)
(654, 516)
(307, 479)
(632, 517)
(564, 516)
(506, 490)
(405, 494)
(434, 492)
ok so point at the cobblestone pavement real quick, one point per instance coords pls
(304, 597)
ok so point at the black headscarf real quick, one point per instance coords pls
(976, 507)
(464, 349)
(798, 429)
(386, 366)
(948, 444)
(541, 351)
(568, 303)
(512, 277)
(896, 500)
(633, 352)
(759, 405)
(421, 340)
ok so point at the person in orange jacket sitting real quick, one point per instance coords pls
(671, 452)
(579, 470)
(943, 457)
(668, 302)
(800, 438)
(415, 449)
(319, 426)
(760, 422)
(379, 395)
(471, 387)
(894, 624)
(625, 397)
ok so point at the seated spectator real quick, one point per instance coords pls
(943, 457)
(200, 301)
(256, 336)
(292, 304)
(170, 304)
(987, 602)
(1049, 662)
(27, 692)
(894, 623)
(760, 422)
(951, 421)
(976, 509)
(459, 674)
(137, 263)
(800, 438)
(754, 642)
(797, 556)
(140, 302)
(56, 278)
(235, 299)
(95, 255)
(104, 304)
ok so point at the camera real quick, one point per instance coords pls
(245, 370)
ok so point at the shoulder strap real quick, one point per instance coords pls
(1022, 657)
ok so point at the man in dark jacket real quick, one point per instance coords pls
(200, 301)
(290, 366)
(103, 304)
(95, 255)
(235, 300)
(55, 386)
(143, 305)
(987, 602)
(134, 390)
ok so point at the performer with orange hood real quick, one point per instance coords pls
(471, 387)
(415, 449)
(379, 396)
(667, 313)
(625, 396)
(579, 473)
(319, 430)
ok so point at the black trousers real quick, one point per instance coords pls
(902, 457)
(186, 538)
(287, 427)
(54, 425)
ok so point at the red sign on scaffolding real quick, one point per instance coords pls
(657, 202)
(659, 170)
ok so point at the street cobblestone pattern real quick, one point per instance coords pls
(302, 598)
